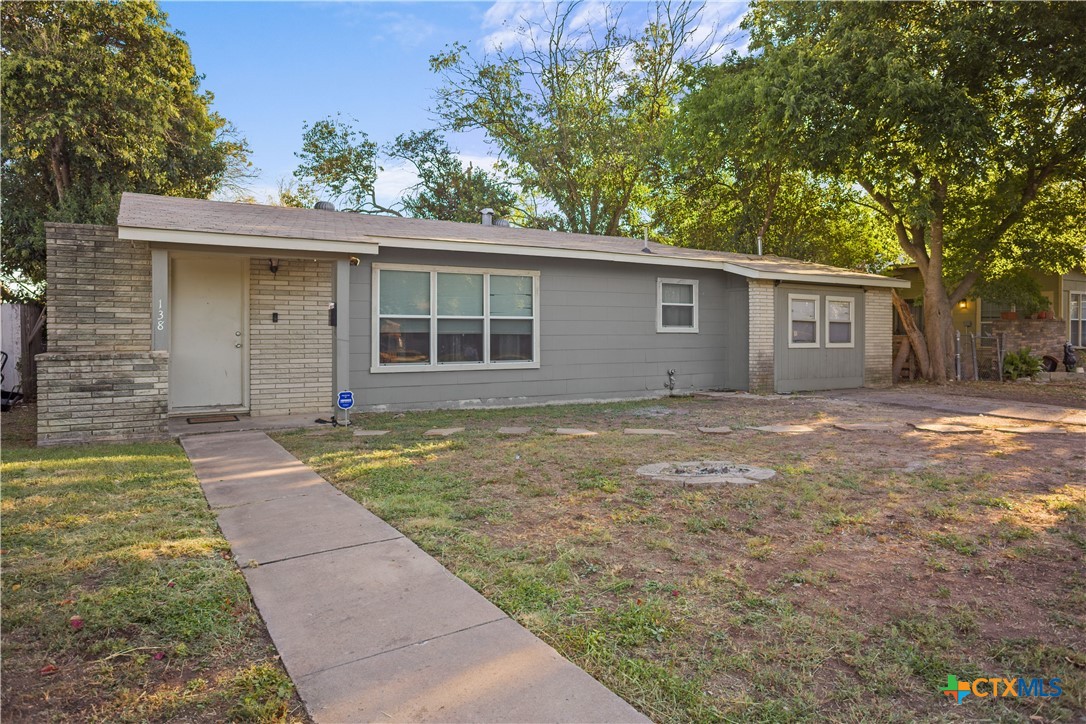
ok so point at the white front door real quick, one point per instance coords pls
(207, 339)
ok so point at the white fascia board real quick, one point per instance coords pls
(543, 251)
(866, 281)
(244, 241)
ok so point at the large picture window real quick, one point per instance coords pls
(452, 318)
(840, 317)
(803, 320)
(1076, 319)
(676, 305)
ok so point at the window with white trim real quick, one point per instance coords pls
(676, 305)
(840, 321)
(1076, 319)
(454, 318)
(802, 320)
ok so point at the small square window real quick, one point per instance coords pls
(802, 320)
(676, 305)
(840, 321)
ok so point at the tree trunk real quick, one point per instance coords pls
(938, 328)
(58, 161)
(915, 337)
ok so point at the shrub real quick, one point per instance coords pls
(1020, 364)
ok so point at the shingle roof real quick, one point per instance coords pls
(146, 211)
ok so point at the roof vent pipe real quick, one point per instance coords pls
(324, 206)
(488, 217)
(759, 244)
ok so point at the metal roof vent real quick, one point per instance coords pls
(488, 217)
(504, 223)
(324, 206)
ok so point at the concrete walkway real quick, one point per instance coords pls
(369, 626)
(962, 405)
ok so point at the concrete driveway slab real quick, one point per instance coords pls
(356, 602)
(323, 519)
(497, 672)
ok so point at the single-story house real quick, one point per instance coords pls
(189, 306)
(1066, 295)
(981, 321)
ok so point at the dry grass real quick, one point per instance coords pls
(121, 601)
(846, 587)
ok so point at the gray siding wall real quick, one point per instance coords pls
(598, 337)
(822, 368)
(736, 332)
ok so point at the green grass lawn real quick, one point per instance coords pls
(120, 598)
(848, 587)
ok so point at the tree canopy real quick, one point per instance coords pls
(964, 124)
(100, 98)
(580, 111)
(341, 163)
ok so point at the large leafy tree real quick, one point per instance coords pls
(99, 98)
(580, 111)
(964, 123)
(341, 163)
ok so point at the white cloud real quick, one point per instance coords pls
(505, 24)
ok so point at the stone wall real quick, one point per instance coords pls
(290, 361)
(878, 338)
(99, 379)
(762, 318)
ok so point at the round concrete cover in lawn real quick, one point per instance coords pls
(705, 472)
(941, 427)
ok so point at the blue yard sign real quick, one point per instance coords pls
(346, 400)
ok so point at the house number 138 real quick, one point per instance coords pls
(160, 323)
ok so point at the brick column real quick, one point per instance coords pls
(760, 295)
(99, 380)
(290, 361)
(878, 338)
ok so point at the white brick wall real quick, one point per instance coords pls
(762, 322)
(878, 338)
(290, 361)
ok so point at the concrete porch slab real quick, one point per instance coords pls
(497, 672)
(180, 427)
(357, 602)
(323, 519)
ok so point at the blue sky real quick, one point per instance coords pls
(274, 65)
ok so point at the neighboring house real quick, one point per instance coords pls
(1066, 295)
(189, 306)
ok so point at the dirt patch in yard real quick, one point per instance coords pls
(849, 586)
